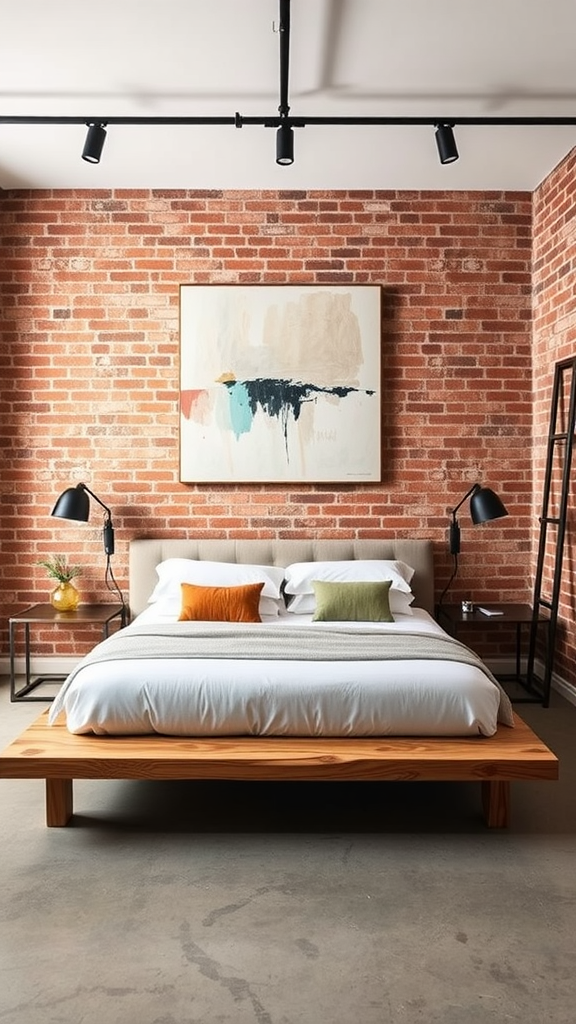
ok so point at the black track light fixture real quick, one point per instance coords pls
(285, 145)
(95, 139)
(447, 149)
(283, 122)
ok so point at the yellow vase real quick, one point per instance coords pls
(65, 598)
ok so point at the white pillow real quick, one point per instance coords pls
(171, 606)
(305, 604)
(174, 571)
(299, 575)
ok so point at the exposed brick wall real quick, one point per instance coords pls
(555, 340)
(89, 292)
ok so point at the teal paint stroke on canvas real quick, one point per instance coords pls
(240, 408)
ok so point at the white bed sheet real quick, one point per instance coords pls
(224, 697)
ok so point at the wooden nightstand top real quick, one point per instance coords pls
(84, 614)
(511, 613)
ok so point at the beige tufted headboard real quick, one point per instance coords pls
(146, 554)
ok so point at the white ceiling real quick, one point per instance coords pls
(438, 58)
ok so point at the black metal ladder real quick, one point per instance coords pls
(553, 520)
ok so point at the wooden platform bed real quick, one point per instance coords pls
(54, 754)
(57, 756)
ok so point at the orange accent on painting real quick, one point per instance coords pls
(188, 399)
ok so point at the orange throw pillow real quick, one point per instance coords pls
(220, 604)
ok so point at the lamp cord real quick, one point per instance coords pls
(450, 581)
(110, 578)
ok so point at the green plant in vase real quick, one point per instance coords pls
(65, 596)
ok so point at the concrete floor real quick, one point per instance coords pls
(204, 903)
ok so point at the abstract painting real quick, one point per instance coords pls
(280, 383)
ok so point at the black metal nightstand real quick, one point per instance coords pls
(45, 614)
(453, 619)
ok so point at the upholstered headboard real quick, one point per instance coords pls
(145, 555)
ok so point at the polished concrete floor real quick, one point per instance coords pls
(265, 903)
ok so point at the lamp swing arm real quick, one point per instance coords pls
(454, 528)
(96, 498)
(108, 528)
(473, 489)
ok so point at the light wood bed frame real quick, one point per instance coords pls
(57, 756)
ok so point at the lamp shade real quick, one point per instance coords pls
(486, 505)
(73, 503)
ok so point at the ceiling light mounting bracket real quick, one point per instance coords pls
(284, 107)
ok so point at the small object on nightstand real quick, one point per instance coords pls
(489, 611)
(65, 597)
(467, 607)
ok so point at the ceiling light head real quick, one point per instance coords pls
(447, 149)
(95, 139)
(285, 145)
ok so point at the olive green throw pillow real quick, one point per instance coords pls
(352, 602)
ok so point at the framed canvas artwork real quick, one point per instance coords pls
(280, 383)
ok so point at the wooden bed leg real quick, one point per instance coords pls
(59, 802)
(496, 803)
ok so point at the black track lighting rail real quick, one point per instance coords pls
(275, 121)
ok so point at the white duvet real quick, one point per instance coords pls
(232, 697)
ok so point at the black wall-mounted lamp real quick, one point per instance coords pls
(484, 506)
(74, 503)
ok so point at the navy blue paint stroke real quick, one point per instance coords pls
(281, 398)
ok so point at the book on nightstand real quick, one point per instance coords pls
(490, 611)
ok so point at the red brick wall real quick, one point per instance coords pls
(89, 292)
(555, 340)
